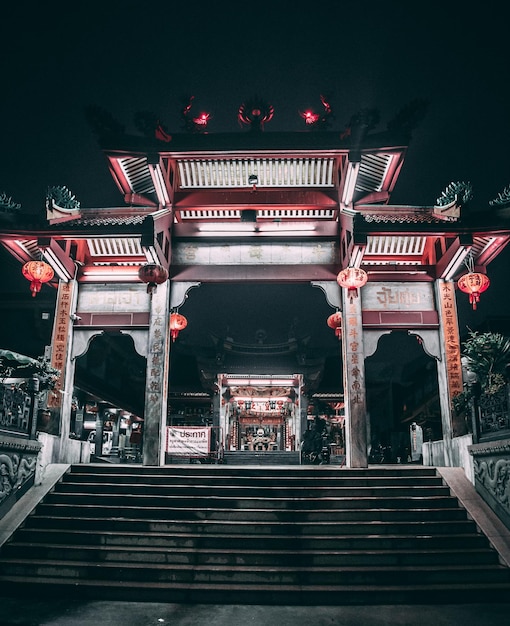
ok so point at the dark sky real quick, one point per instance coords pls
(133, 56)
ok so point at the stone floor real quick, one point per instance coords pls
(102, 613)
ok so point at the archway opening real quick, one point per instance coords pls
(109, 396)
(402, 399)
(254, 330)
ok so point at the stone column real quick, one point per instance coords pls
(100, 420)
(354, 382)
(60, 400)
(156, 385)
(449, 367)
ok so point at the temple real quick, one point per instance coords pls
(244, 289)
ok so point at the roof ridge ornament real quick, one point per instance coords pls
(255, 113)
(7, 205)
(194, 124)
(61, 204)
(452, 199)
(314, 120)
(502, 200)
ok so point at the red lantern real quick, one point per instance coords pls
(335, 322)
(474, 284)
(352, 278)
(37, 272)
(152, 274)
(177, 323)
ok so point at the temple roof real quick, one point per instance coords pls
(263, 188)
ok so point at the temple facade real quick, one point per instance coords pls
(208, 213)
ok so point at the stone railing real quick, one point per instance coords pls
(491, 460)
(493, 414)
(19, 447)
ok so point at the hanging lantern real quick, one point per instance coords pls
(37, 272)
(177, 323)
(352, 278)
(335, 322)
(152, 274)
(474, 284)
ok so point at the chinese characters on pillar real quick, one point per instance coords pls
(451, 338)
(354, 356)
(60, 341)
(156, 355)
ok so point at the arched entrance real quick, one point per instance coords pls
(260, 350)
(402, 394)
(109, 396)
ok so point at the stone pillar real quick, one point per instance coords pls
(100, 420)
(156, 385)
(33, 391)
(449, 367)
(60, 399)
(354, 382)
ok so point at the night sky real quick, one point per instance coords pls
(133, 56)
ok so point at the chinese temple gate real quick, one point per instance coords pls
(256, 208)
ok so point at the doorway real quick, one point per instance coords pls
(402, 398)
(260, 413)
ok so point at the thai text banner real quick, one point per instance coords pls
(188, 441)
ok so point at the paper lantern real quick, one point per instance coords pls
(474, 284)
(352, 279)
(177, 323)
(334, 321)
(152, 274)
(37, 272)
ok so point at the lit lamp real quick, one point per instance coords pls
(335, 322)
(177, 323)
(152, 274)
(352, 279)
(37, 272)
(474, 284)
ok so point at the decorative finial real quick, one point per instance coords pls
(316, 120)
(255, 113)
(194, 124)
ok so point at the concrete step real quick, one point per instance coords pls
(266, 491)
(245, 574)
(269, 558)
(241, 478)
(147, 501)
(268, 457)
(276, 538)
(143, 471)
(281, 595)
(362, 520)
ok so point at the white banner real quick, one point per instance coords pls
(188, 441)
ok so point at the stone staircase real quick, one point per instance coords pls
(253, 535)
(269, 457)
